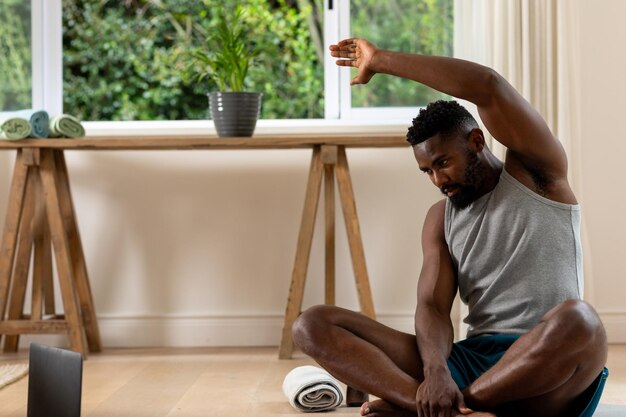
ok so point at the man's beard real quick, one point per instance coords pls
(469, 189)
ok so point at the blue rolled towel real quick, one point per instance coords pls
(39, 121)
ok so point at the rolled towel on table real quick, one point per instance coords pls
(67, 126)
(310, 388)
(39, 122)
(14, 128)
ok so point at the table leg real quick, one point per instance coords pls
(329, 216)
(43, 288)
(41, 216)
(11, 228)
(79, 266)
(67, 282)
(19, 277)
(303, 251)
(355, 242)
(329, 160)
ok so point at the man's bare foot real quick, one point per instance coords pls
(382, 408)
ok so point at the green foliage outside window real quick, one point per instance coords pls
(126, 60)
(15, 57)
(423, 26)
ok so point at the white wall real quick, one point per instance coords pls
(603, 89)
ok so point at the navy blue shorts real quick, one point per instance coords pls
(472, 357)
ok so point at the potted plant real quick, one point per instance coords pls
(225, 57)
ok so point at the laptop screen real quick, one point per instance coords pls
(54, 381)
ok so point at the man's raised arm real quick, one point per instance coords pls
(506, 114)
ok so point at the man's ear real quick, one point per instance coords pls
(476, 140)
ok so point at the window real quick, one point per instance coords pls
(15, 49)
(125, 61)
(31, 43)
(403, 25)
(130, 60)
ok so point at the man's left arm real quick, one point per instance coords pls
(532, 148)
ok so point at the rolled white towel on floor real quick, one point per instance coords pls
(610, 410)
(310, 388)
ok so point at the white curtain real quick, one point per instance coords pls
(534, 45)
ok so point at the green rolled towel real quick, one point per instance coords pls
(65, 125)
(14, 128)
(39, 122)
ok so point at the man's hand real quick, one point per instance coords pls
(439, 396)
(358, 53)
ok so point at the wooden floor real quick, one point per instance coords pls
(220, 382)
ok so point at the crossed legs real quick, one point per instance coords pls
(542, 374)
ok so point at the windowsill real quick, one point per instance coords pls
(265, 127)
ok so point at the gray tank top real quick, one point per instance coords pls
(517, 255)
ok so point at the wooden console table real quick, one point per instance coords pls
(41, 219)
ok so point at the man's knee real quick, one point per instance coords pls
(577, 324)
(311, 324)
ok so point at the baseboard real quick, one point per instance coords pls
(237, 330)
(207, 331)
(191, 331)
(615, 325)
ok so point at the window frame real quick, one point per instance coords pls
(400, 114)
(47, 55)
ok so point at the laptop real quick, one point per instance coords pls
(54, 382)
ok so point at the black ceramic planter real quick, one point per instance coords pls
(235, 114)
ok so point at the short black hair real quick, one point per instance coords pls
(443, 117)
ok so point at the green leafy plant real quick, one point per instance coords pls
(226, 54)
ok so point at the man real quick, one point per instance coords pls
(506, 237)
